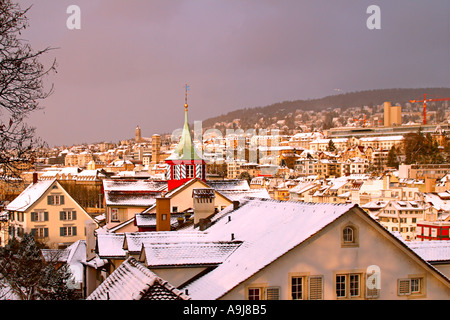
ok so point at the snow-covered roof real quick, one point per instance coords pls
(431, 251)
(187, 253)
(29, 196)
(110, 245)
(268, 229)
(133, 185)
(229, 185)
(239, 195)
(133, 241)
(133, 281)
(140, 193)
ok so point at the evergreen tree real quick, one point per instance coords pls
(331, 147)
(392, 160)
(26, 275)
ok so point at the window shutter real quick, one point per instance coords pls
(61, 232)
(61, 215)
(50, 200)
(32, 216)
(183, 171)
(198, 171)
(169, 172)
(61, 199)
(404, 287)
(74, 231)
(45, 216)
(273, 293)
(372, 293)
(177, 172)
(316, 288)
(74, 215)
(46, 232)
(33, 232)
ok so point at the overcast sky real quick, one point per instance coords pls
(129, 63)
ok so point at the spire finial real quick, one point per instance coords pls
(186, 97)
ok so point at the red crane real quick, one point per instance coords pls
(425, 100)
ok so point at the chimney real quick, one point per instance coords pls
(35, 177)
(204, 204)
(163, 214)
(90, 239)
(386, 182)
(235, 205)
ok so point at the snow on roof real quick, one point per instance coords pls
(133, 185)
(436, 250)
(229, 185)
(189, 253)
(130, 199)
(132, 242)
(268, 229)
(302, 187)
(29, 196)
(239, 195)
(382, 138)
(110, 245)
(132, 281)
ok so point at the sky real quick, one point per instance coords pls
(130, 61)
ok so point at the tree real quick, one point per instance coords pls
(331, 147)
(392, 160)
(21, 88)
(421, 149)
(27, 276)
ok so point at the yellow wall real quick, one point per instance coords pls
(54, 240)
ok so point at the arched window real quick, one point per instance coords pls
(348, 235)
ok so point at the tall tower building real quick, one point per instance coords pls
(392, 115)
(137, 134)
(185, 164)
(156, 148)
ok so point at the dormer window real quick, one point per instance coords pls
(349, 236)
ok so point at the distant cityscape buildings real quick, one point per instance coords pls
(238, 209)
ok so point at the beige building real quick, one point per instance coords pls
(47, 210)
(392, 115)
(276, 250)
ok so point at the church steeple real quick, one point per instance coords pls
(185, 163)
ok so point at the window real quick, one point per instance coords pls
(189, 171)
(273, 293)
(40, 233)
(67, 215)
(55, 200)
(68, 231)
(39, 216)
(297, 288)
(340, 286)
(354, 285)
(348, 285)
(349, 236)
(410, 286)
(315, 288)
(254, 293)
(114, 214)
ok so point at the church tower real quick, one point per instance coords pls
(137, 135)
(185, 164)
